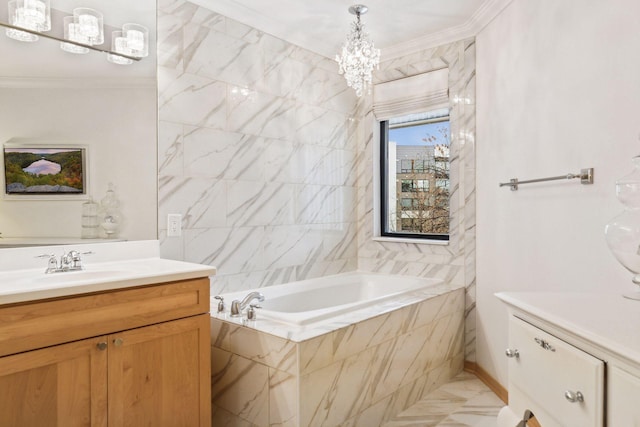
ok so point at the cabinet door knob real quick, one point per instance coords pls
(118, 342)
(512, 353)
(102, 345)
(573, 396)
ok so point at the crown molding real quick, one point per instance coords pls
(480, 19)
(76, 83)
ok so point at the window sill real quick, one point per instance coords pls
(407, 240)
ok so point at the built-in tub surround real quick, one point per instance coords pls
(356, 369)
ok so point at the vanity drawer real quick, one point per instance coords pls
(38, 324)
(548, 374)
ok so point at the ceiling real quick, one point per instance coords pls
(395, 26)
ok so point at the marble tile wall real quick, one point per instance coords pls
(268, 156)
(257, 151)
(359, 375)
(455, 263)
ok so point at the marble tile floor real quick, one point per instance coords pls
(465, 401)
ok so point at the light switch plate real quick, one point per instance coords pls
(174, 225)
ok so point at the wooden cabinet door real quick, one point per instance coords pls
(159, 375)
(63, 385)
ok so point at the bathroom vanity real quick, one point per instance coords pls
(120, 343)
(574, 358)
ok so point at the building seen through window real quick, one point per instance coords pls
(415, 172)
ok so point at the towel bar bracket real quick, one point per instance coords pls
(585, 175)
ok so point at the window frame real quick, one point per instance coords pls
(384, 192)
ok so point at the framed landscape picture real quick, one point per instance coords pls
(43, 171)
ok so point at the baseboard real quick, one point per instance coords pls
(494, 386)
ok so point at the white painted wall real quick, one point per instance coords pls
(558, 89)
(118, 124)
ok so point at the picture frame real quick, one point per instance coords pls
(44, 171)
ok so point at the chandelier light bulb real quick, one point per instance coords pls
(358, 56)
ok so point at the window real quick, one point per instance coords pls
(414, 154)
(422, 184)
(406, 203)
(414, 185)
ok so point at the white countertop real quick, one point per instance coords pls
(108, 266)
(608, 321)
(21, 242)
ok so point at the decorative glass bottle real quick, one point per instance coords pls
(90, 226)
(623, 232)
(111, 218)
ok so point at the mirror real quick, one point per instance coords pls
(49, 96)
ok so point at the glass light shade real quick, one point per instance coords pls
(89, 24)
(119, 44)
(137, 37)
(623, 232)
(34, 15)
(71, 32)
(358, 56)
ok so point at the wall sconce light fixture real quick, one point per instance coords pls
(83, 31)
(33, 15)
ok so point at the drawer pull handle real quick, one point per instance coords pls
(118, 342)
(102, 345)
(512, 353)
(573, 396)
(544, 344)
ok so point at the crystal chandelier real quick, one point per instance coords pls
(358, 57)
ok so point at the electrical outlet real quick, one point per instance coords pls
(174, 225)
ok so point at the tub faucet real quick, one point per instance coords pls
(237, 306)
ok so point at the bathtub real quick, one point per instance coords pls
(313, 300)
(348, 349)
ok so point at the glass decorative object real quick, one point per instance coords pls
(111, 217)
(90, 226)
(358, 57)
(34, 15)
(623, 232)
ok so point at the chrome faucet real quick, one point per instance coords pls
(69, 261)
(238, 306)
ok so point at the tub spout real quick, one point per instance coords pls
(237, 306)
